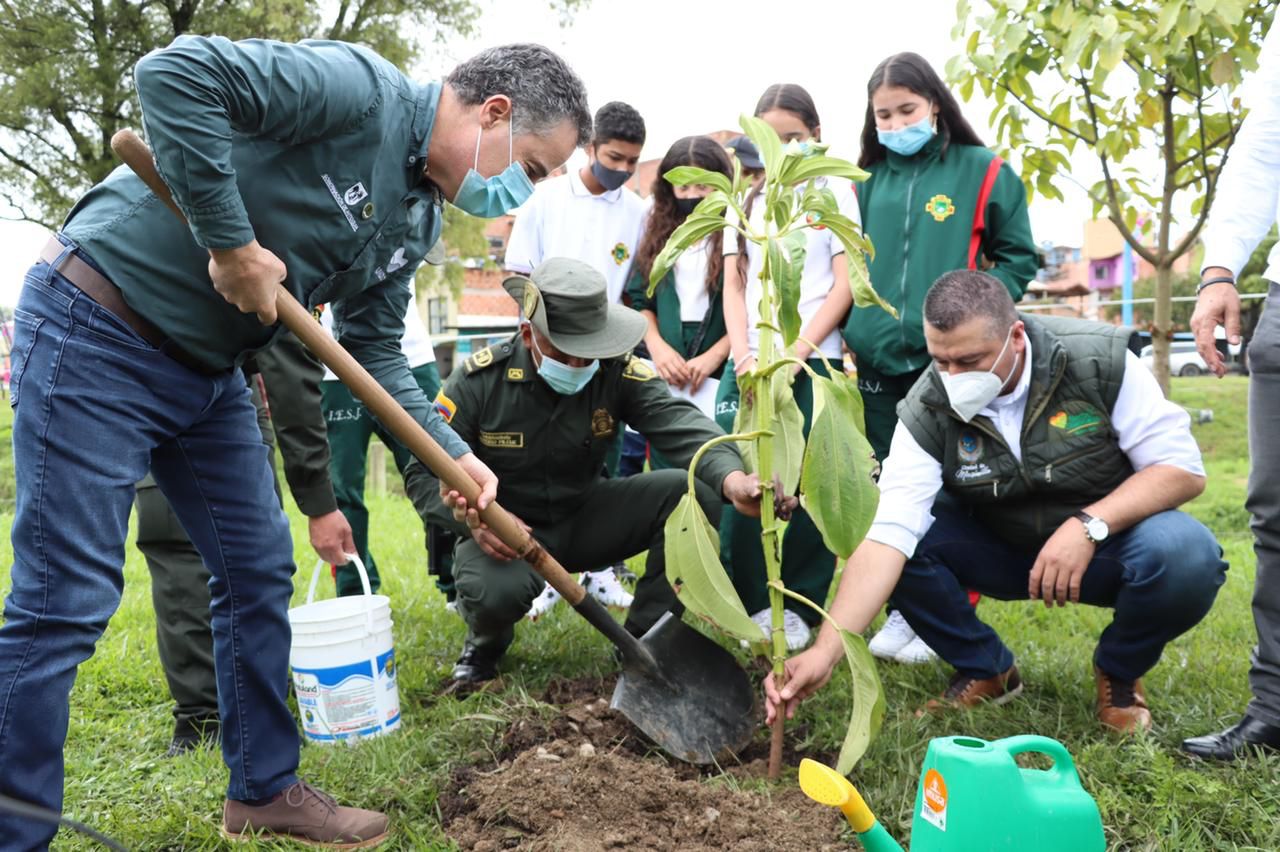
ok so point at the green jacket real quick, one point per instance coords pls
(665, 304)
(316, 150)
(546, 448)
(291, 376)
(1070, 456)
(927, 216)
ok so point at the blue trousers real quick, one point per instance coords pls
(1160, 576)
(95, 407)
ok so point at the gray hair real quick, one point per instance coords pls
(543, 89)
(964, 294)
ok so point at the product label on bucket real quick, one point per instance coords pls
(933, 806)
(342, 702)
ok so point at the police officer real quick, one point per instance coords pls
(542, 410)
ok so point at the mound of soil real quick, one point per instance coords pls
(585, 780)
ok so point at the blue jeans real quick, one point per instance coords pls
(1160, 576)
(95, 406)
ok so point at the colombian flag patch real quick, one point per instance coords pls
(446, 407)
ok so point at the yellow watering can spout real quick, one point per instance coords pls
(827, 787)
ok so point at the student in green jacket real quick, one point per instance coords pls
(937, 200)
(686, 336)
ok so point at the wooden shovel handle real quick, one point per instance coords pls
(135, 154)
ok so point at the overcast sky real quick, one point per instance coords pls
(694, 67)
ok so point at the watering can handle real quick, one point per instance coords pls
(1063, 766)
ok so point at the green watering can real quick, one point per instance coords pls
(973, 797)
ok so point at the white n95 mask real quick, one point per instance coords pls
(971, 392)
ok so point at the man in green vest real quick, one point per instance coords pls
(1062, 466)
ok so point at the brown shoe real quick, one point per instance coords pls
(1122, 704)
(308, 816)
(966, 691)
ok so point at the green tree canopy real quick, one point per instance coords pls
(1127, 82)
(66, 71)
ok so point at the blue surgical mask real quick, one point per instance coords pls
(610, 179)
(562, 378)
(492, 197)
(909, 139)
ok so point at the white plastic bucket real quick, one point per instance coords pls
(343, 661)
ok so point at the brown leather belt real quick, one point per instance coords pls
(96, 286)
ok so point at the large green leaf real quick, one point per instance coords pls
(697, 227)
(785, 270)
(686, 175)
(867, 714)
(744, 421)
(799, 171)
(766, 140)
(836, 488)
(788, 431)
(696, 574)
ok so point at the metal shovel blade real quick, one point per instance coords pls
(687, 694)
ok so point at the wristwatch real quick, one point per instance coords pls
(1095, 529)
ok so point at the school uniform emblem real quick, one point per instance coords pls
(620, 253)
(940, 208)
(602, 423)
(814, 220)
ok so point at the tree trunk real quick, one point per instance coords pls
(1162, 327)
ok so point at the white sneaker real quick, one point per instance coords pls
(797, 632)
(604, 587)
(916, 653)
(543, 603)
(451, 606)
(895, 635)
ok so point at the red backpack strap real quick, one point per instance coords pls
(980, 213)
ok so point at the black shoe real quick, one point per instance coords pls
(476, 665)
(193, 733)
(1236, 740)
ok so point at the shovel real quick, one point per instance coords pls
(680, 688)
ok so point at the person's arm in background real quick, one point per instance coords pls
(199, 92)
(735, 302)
(370, 325)
(291, 376)
(1244, 206)
(835, 308)
(669, 363)
(1006, 238)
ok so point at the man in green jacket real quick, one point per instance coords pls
(542, 410)
(1064, 465)
(284, 382)
(317, 165)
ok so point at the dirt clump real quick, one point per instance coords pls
(566, 798)
(586, 779)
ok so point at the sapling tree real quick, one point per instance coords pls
(833, 470)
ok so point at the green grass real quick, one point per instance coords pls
(1151, 797)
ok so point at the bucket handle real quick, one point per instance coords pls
(1064, 768)
(364, 584)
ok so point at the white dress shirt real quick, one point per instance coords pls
(415, 343)
(1149, 428)
(563, 219)
(1247, 202)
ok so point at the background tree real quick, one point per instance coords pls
(1131, 82)
(66, 71)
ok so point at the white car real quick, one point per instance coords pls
(1183, 359)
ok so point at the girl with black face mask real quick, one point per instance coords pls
(686, 336)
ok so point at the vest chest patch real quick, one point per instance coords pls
(969, 447)
(1077, 418)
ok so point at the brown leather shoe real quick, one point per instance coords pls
(304, 814)
(967, 692)
(1122, 704)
